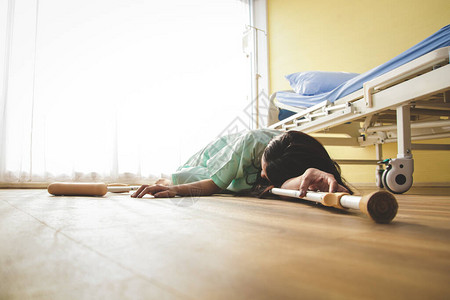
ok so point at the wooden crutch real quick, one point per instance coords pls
(380, 206)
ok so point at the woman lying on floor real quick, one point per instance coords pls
(251, 161)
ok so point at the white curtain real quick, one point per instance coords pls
(116, 90)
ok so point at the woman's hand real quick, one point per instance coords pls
(157, 191)
(314, 180)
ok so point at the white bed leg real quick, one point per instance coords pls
(404, 132)
(447, 97)
(379, 171)
(397, 177)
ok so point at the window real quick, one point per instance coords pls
(117, 90)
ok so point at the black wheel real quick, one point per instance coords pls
(379, 178)
(383, 181)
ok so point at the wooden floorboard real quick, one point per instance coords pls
(219, 247)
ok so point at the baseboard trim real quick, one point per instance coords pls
(415, 184)
(358, 185)
(23, 185)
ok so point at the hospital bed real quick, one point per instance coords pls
(406, 99)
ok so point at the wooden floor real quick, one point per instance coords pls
(220, 247)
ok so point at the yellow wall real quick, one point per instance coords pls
(354, 36)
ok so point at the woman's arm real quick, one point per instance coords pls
(200, 188)
(314, 180)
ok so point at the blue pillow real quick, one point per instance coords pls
(317, 82)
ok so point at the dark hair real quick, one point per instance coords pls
(292, 153)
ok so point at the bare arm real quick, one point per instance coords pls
(199, 188)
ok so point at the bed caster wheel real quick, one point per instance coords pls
(397, 177)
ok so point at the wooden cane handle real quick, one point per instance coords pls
(333, 199)
(77, 189)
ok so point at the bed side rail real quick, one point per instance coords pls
(303, 116)
(403, 72)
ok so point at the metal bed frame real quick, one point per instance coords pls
(409, 103)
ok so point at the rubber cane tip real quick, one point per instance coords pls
(381, 206)
(266, 192)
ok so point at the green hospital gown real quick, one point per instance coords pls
(231, 161)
